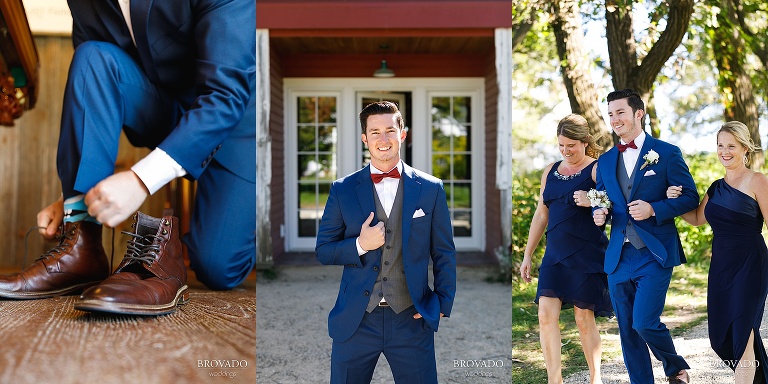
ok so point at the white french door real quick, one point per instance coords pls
(445, 123)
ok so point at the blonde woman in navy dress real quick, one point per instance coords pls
(571, 272)
(736, 207)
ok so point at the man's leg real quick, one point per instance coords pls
(354, 360)
(409, 346)
(222, 237)
(623, 292)
(652, 284)
(106, 90)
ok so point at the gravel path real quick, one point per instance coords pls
(293, 346)
(693, 346)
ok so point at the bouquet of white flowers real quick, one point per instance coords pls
(598, 198)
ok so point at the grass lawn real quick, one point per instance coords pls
(685, 307)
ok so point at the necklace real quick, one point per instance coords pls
(564, 177)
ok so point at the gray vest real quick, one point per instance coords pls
(390, 283)
(625, 182)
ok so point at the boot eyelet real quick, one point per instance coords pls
(133, 225)
(165, 232)
(166, 222)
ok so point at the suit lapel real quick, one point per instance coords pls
(411, 191)
(364, 190)
(649, 143)
(610, 160)
(140, 24)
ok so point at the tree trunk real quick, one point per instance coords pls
(575, 68)
(627, 71)
(653, 116)
(735, 84)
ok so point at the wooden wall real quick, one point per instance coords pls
(28, 178)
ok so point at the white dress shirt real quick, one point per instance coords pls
(387, 191)
(631, 154)
(158, 168)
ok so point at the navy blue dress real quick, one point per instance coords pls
(738, 275)
(572, 267)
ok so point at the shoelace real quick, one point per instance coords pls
(59, 248)
(142, 248)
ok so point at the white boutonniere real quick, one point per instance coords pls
(650, 158)
(598, 198)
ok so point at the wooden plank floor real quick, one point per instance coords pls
(48, 341)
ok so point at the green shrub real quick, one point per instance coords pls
(525, 196)
(697, 241)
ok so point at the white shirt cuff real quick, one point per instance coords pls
(360, 250)
(157, 169)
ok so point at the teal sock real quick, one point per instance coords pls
(76, 210)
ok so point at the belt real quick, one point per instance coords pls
(383, 304)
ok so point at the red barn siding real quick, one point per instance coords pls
(366, 14)
(363, 65)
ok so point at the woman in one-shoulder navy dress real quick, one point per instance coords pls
(735, 206)
(571, 272)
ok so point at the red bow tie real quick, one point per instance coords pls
(378, 177)
(623, 147)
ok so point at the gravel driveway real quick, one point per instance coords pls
(693, 346)
(293, 346)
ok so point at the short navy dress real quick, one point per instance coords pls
(572, 267)
(738, 275)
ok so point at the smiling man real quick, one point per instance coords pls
(384, 223)
(644, 244)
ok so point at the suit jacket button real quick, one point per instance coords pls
(366, 293)
(389, 247)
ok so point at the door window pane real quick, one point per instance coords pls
(451, 156)
(316, 159)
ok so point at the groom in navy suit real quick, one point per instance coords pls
(384, 223)
(644, 244)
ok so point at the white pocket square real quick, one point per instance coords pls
(418, 213)
(649, 173)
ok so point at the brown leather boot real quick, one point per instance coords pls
(151, 280)
(78, 262)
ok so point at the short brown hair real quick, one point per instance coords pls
(380, 108)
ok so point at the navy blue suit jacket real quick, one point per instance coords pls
(650, 185)
(203, 53)
(428, 237)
